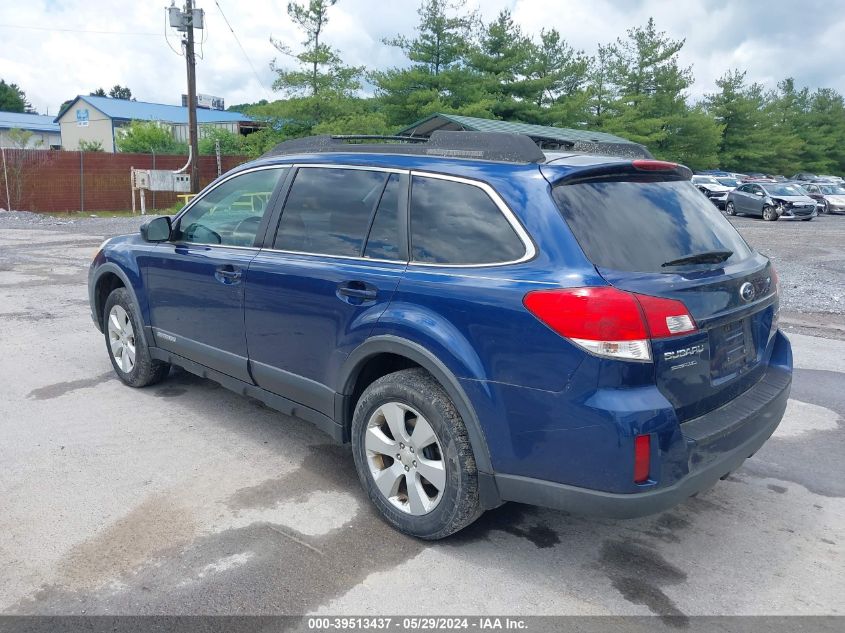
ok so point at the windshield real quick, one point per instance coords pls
(638, 226)
(833, 190)
(785, 190)
(728, 182)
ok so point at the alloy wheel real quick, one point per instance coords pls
(405, 458)
(729, 208)
(121, 338)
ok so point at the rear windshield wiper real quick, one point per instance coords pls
(707, 257)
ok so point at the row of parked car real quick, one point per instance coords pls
(803, 196)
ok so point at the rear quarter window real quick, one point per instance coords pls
(456, 223)
(638, 226)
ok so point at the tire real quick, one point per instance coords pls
(394, 471)
(124, 331)
(806, 219)
(770, 214)
(826, 208)
(730, 209)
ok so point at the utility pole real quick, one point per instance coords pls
(191, 62)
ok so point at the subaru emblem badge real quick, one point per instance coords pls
(746, 291)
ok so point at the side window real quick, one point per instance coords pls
(230, 213)
(812, 189)
(383, 241)
(328, 211)
(458, 223)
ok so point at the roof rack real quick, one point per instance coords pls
(493, 146)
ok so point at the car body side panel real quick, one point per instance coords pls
(123, 255)
(300, 329)
(193, 311)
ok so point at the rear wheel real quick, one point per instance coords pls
(825, 208)
(730, 209)
(770, 214)
(413, 455)
(126, 344)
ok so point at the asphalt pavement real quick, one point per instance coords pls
(184, 498)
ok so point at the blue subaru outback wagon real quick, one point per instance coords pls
(483, 322)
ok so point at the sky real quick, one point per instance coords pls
(72, 47)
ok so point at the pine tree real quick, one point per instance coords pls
(321, 72)
(651, 99)
(500, 61)
(437, 79)
(785, 117)
(738, 108)
(557, 80)
(824, 134)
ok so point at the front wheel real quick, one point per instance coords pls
(730, 209)
(126, 344)
(770, 214)
(413, 455)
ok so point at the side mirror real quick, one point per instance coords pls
(157, 230)
(758, 193)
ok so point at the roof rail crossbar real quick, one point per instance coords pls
(493, 146)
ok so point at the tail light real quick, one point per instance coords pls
(775, 285)
(775, 280)
(642, 458)
(610, 322)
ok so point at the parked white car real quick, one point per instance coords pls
(713, 189)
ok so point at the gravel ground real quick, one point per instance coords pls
(107, 227)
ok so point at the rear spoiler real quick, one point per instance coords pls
(639, 169)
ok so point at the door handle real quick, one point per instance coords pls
(228, 274)
(358, 293)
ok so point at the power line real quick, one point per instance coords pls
(249, 61)
(43, 28)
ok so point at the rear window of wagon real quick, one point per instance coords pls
(637, 226)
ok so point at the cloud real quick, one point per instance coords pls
(771, 40)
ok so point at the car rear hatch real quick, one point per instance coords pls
(648, 231)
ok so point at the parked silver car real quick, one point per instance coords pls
(830, 198)
(771, 201)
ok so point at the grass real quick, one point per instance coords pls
(119, 213)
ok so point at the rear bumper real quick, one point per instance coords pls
(717, 444)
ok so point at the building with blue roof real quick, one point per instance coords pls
(98, 119)
(45, 131)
